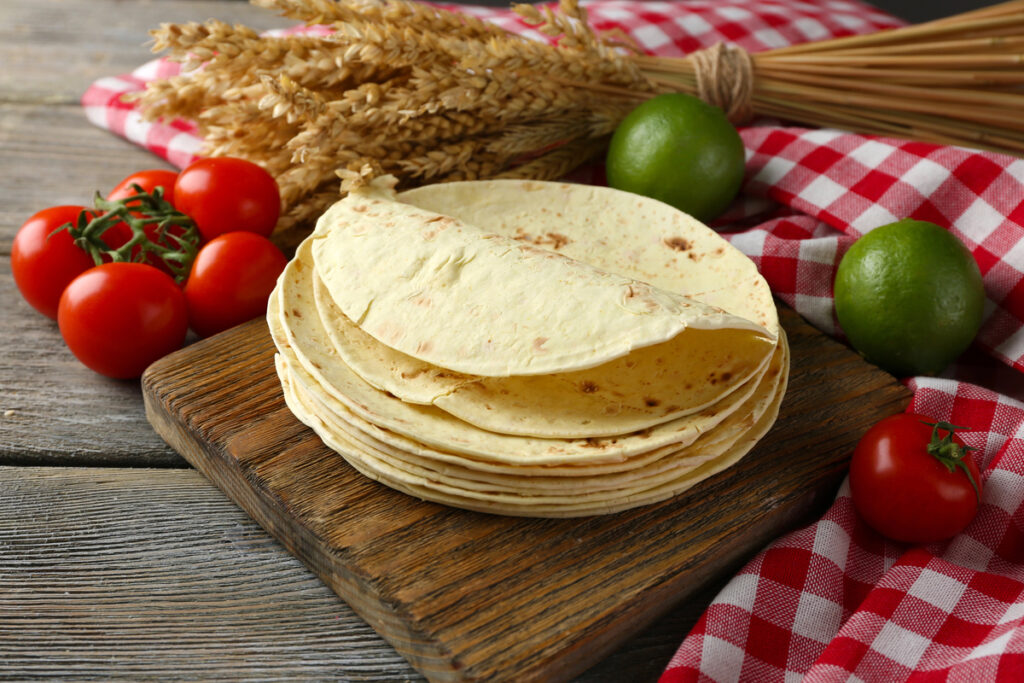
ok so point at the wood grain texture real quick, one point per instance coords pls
(54, 410)
(144, 574)
(153, 574)
(468, 596)
(53, 49)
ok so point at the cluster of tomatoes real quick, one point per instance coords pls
(161, 253)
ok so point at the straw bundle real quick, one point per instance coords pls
(953, 81)
(392, 86)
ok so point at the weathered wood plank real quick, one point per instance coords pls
(141, 573)
(52, 50)
(53, 410)
(154, 574)
(468, 596)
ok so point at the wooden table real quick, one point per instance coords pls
(116, 558)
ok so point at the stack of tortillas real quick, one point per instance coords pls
(527, 348)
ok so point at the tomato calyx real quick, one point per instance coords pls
(950, 453)
(157, 230)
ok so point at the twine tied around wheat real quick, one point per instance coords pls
(724, 77)
(956, 81)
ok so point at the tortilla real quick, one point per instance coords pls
(466, 300)
(298, 330)
(616, 231)
(440, 489)
(309, 403)
(527, 348)
(633, 392)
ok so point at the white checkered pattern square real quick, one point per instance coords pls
(822, 192)
(774, 170)
(900, 645)
(979, 221)
(926, 176)
(994, 647)
(724, 659)
(694, 24)
(817, 618)
(937, 589)
(871, 153)
(968, 552)
(1014, 612)
(1005, 489)
(832, 541)
(652, 37)
(873, 217)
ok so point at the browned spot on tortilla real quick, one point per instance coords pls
(693, 256)
(435, 219)
(423, 347)
(719, 251)
(361, 208)
(297, 313)
(588, 387)
(549, 239)
(726, 376)
(678, 243)
(651, 402)
(413, 375)
(557, 241)
(594, 443)
(317, 365)
(538, 343)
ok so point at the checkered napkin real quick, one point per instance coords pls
(833, 601)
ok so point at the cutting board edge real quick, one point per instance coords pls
(398, 629)
(171, 414)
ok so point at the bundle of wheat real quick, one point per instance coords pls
(428, 95)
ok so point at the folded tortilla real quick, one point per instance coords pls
(528, 348)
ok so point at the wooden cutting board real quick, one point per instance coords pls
(467, 596)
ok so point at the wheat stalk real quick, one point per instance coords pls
(430, 95)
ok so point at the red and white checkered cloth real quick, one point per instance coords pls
(833, 601)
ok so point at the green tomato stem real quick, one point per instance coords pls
(950, 453)
(139, 211)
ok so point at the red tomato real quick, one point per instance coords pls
(230, 281)
(118, 318)
(901, 487)
(225, 194)
(148, 180)
(44, 264)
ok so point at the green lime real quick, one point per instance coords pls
(680, 150)
(909, 297)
